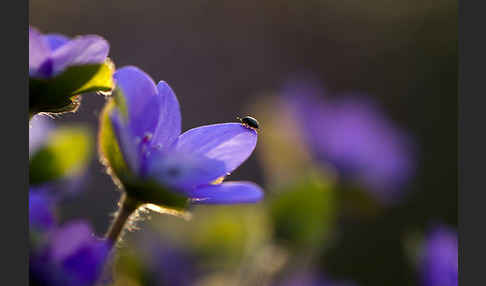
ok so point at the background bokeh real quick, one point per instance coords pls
(223, 57)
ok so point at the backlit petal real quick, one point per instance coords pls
(230, 143)
(182, 171)
(169, 121)
(227, 193)
(79, 51)
(140, 97)
(38, 51)
(56, 40)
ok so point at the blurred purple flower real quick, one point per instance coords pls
(352, 134)
(70, 256)
(150, 139)
(67, 255)
(439, 265)
(51, 54)
(41, 216)
(168, 262)
(309, 279)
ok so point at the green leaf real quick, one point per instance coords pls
(151, 192)
(65, 154)
(358, 202)
(102, 81)
(56, 94)
(226, 233)
(303, 212)
(109, 150)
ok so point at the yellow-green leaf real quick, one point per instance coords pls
(101, 81)
(66, 153)
(303, 212)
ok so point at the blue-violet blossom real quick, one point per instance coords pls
(439, 264)
(146, 122)
(169, 262)
(352, 134)
(61, 69)
(41, 214)
(66, 255)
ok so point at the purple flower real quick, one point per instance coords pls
(146, 122)
(71, 256)
(439, 264)
(41, 215)
(67, 255)
(306, 278)
(351, 133)
(168, 262)
(51, 54)
(62, 69)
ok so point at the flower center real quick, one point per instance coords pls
(145, 143)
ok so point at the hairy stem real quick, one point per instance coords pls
(127, 207)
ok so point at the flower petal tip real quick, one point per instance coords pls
(228, 193)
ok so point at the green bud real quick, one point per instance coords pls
(61, 94)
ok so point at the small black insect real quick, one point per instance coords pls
(250, 122)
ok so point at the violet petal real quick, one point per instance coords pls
(38, 51)
(125, 141)
(227, 193)
(79, 51)
(55, 40)
(141, 99)
(182, 171)
(169, 121)
(41, 216)
(230, 143)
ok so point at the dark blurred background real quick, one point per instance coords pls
(219, 56)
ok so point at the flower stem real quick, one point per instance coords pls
(127, 207)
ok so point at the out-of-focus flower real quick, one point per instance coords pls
(51, 54)
(58, 156)
(226, 235)
(142, 144)
(439, 262)
(352, 134)
(284, 155)
(69, 256)
(167, 262)
(61, 68)
(41, 215)
(306, 278)
(304, 213)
